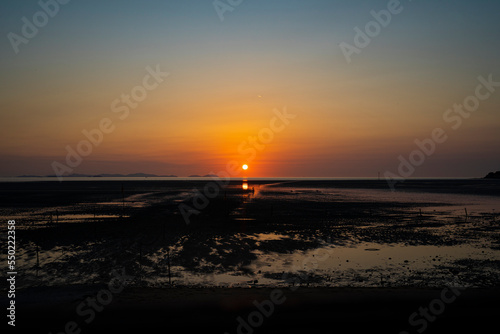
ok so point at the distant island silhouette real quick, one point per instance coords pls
(104, 175)
(118, 175)
(493, 175)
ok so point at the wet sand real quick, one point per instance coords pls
(212, 310)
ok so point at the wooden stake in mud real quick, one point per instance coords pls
(164, 230)
(140, 256)
(168, 263)
(466, 215)
(37, 260)
(123, 200)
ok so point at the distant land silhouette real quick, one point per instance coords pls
(104, 175)
(493, 175)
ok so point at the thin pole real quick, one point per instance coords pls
(140, 256)
(37, 260)
(123, 200)
(169, 276)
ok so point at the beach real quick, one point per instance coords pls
(349, 253)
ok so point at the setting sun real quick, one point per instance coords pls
(245, 167)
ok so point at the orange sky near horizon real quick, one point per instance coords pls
(226, 78)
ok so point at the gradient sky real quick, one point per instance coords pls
(227, 77)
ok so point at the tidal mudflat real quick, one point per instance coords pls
(258, 233)
(300, 235)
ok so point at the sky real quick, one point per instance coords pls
(293, 88)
